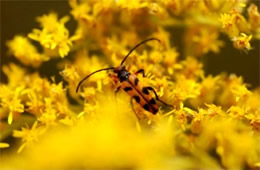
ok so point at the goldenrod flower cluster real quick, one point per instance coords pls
(214, 122)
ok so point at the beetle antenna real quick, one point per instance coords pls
(144, 41)
(109, 68)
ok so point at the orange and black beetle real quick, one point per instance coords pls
(131, 85)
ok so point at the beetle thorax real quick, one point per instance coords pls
(122, 73)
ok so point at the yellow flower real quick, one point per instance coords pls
(86, 66)
(89, 109)
(100, 133)
(15, 106)
(255, 122)
(25, 52)
(192, 68)
(184, 89)
(214, 122)
(116, 48)
(35, 103)
(214, 110)
(242, 41)
(201, 40)
(57, 91)
(222, 135)
(15, 75)
(54, 36)
(208, 91)
(254, 18)
(4, 145)
(203, 115)
(252, 99)
(89, 92)
(132, 5)
(29, 136)
(170, 60)
(237, 112)
(233, 91)
(70, 74)
(181, 117)
(164, 37)
(240, 91)
(79, 10)
(49, 114)
(162, 84)
(229, 25)
(223, 5)
(227, 20)
(12, 101)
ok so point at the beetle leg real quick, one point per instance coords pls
(117, 89)
(156, 96)
(132, 106)
(140, 71)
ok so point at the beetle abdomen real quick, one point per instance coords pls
(141, 95)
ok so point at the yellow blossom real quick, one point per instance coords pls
(254, 18)
(185, 89)
(223, 6)
(229, 22)
(54, 36)
(12, 101)
(226, 20)
(201, 40)
(208, 91)
(240, 91)
(70, 74)
(237, 112)
(35, 104)
(234, 91)
(89, 109)
(242, 41)
(116, 48)
(15, 74)
(181, 117)
(213, 110)
(170, 60)
(132, 5)
(4, 145)
(57, 91)
(29, 136)
(89, 92)
(49, 114)
(253, 117)
(192, 69)
(225, 136)
(25, 52)
(79, 10)
(213, 121)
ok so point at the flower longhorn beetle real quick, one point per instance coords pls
(131, 85)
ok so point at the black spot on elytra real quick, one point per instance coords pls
(146, 107)
(145, 91)
(136, 81)
(127, 88)
(154, 110)
(152, 101)
(137, 99)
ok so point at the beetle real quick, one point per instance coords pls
(131, 85)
